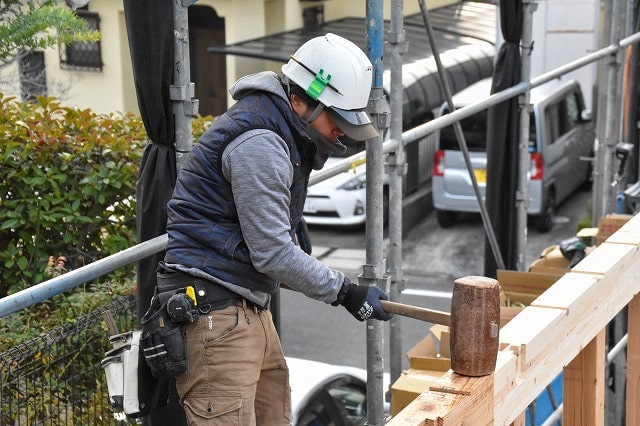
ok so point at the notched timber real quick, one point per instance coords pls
(454, 400)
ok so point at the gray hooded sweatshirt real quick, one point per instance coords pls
(258, 167)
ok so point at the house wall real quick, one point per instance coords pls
(113, 89)
(109, 90)
(563, 31)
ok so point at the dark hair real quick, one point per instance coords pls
(300, 92)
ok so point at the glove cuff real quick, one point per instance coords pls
(346, 286)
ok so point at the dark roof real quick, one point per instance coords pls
(465, 33)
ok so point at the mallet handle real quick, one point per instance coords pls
(422, 314)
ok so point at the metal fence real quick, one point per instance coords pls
(57, 378)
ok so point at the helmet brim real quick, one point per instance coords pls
(355, 124)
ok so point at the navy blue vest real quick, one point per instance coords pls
(203, 227)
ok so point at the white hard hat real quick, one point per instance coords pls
(337, 73)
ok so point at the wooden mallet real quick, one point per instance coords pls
(474, 323)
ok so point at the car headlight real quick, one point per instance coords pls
(358, 182)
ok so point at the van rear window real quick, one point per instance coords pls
(475, 133)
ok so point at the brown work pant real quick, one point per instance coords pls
(236, 371)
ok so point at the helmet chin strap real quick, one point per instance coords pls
(316, 112)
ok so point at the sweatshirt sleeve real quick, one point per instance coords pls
(258, 167)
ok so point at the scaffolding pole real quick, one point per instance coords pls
(397, 168)
(522, 198)
(374, 270)
(182, 90)
(603, 199)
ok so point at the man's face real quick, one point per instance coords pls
(323, 124)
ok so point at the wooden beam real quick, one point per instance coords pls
(633, 363)
(549, 334)
(520, 420)
(451, 401)
(583, 389)
(545, 337)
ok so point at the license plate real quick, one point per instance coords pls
(310, 207)
(481, 175)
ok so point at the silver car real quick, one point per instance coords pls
(561, 145)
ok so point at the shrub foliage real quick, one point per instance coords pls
(67, 186)
(67, 198)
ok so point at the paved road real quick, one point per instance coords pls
(432, 259)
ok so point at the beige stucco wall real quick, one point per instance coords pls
(113, 90)
(104, 91)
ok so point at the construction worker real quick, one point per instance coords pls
(231, 221)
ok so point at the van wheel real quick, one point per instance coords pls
(445, 218)
(544, 222)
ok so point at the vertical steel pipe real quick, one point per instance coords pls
(374, 269)
(182, 90)
(397, 168)
(604, 194)
(522, 199)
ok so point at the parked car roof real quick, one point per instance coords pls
(311, 381)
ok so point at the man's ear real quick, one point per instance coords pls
(298, 104)
(296, 100)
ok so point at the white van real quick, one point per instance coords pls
(560, 143)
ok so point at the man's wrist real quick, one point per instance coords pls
(346, 286)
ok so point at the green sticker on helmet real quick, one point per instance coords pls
(318, 85)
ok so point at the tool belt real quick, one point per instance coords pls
(209, 296)
(179, 298)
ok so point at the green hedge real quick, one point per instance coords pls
(67, 198)
(67, 182)
(67, 187)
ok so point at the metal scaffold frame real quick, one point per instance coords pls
(391, 152)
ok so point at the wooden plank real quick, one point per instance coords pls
(505, 374)
(528, 333)
(452, 400)
(633, 225)
(633, 363)
(625, 237)
(583, 389)
(603, 258)
(520, 420)
(547, 337)
(539, 341)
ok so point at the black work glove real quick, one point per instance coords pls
(363, 302)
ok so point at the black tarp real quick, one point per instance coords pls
(502, 143)
(150, 32)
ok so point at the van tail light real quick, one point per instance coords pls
(438, 163)
(537, 169)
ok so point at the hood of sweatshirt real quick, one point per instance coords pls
(268, 81)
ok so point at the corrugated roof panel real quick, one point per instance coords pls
(465, 34)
